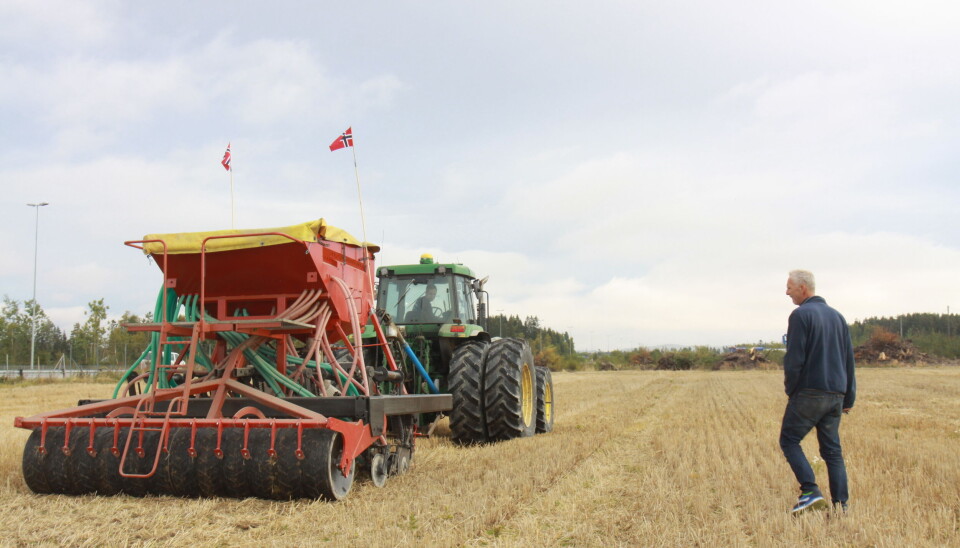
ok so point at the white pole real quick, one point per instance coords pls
(33, 316)
(363, 221)
(233, 208)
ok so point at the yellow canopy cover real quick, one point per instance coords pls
(190, 242)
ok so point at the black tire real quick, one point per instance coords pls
(108, 464)
(177, 473)
(82, 465)
(467, 418)
(135, 464)
(545, 409)
(288, 478)
(210, 481)
(233, 463)
(55, 466)
(320, 466)
(33, 465)
(510, 383)
(261, 468)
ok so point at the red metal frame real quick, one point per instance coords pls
(321, 289)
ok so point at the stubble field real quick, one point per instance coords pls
(636, 459)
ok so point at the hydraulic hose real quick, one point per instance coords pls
(419, 366)
(263, 359)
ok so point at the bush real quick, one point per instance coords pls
(882, 337)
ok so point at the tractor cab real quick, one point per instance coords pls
(430, 297)
(427, 299)
(438, 307)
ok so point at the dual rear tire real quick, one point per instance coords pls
(498, 393)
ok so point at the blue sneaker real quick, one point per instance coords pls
(808, 500)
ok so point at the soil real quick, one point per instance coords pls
(877, 350)
(745, 358)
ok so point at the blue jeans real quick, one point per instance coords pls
(808, 409)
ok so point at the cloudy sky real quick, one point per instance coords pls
(633, 172)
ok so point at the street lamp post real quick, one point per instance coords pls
(33, 317)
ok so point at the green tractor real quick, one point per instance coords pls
(440, 313)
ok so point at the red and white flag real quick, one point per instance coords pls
(343, 141)
(226, 159)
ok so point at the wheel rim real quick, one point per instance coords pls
(548, 403)
(529, 398)
(339, 482)
(378, 470)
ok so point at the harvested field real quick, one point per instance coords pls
(637, 458)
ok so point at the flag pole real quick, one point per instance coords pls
(227, 164)
(356, 172)
(363, 220)
(233, 208)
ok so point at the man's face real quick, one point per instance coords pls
(431, 293)
(797, 292)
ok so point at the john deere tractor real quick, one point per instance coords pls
(440, 311)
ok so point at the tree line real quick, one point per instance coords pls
(551, 348)
(102, 342)
(934, 334)
(97, 341)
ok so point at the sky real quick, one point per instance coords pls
(635, 173)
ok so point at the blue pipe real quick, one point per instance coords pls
(420, 369)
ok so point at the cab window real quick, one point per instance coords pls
(417, 299)
(465, 309)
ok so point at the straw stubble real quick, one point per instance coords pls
(635, 458)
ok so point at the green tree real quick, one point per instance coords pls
(16, 331)
(122, 345)
(89, 342)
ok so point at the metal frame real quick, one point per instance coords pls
(326, 309)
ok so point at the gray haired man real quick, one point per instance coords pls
(819, 378)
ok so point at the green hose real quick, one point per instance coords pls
(262, 359)
(151, 349)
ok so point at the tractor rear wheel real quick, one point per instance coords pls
(467, 419)
(510, 398)
(544, 400)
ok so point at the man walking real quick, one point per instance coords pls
(819, 378)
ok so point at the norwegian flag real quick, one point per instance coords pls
(343, 141)
(226, 159)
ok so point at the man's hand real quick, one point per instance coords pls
(846, 410)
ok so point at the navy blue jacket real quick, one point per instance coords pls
(819, 351)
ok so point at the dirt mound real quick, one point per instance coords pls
(887, 349)
(671, 362)
(742, 358)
